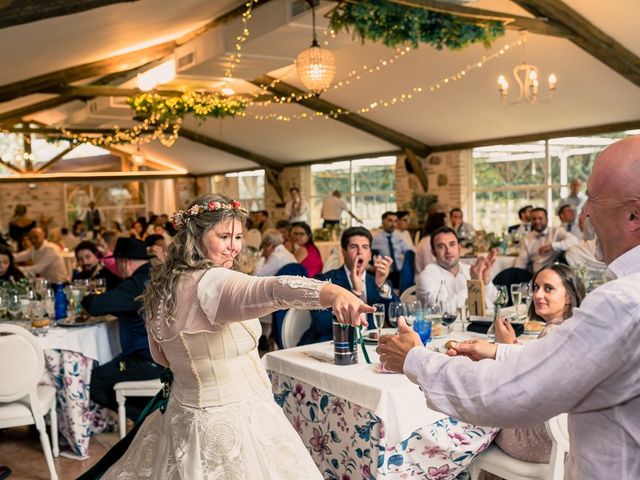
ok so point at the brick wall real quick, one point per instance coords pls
(290, 177)
(43, 199)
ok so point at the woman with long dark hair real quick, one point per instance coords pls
(305, 251)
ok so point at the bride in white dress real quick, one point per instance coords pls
(221, 421)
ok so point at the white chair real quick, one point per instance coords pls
(253, 238)
(333, 261)
(409, 295)
(22, 400)
(494, 460)
(295, 323)
(141, 388)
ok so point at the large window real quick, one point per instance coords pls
(248, 187)
(368, 187)
(507, 177)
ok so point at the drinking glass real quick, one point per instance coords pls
(378, 316)
(40, 286)
(449, 313)
(525, 294)
(99, 286)
(396, 310)
(410, 310)
(500, 301)
(83, 285)
(516, 295)
(422, 325)
(4, 300)
(13, 306)
(25, 306)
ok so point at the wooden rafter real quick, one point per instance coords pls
(25, 11)
(271, 167)
(354, 120)
(11, 167)
(412, 160)
(587, 36)
(110, 65)
(54, 160)
(515, 22)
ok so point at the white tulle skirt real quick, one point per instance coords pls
(251, 439)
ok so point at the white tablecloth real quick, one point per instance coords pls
(99, 342)
(393, 398)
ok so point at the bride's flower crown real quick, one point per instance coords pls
(179, 218)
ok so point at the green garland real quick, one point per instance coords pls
(201, 105)
(396, 24)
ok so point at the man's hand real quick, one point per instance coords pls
(356, 275)
(504, 331)
(382, 266)
(474, 349)
(393, 349)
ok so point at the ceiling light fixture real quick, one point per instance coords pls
(316, 65)
(138, 158)
(527, 78)
(163, 73)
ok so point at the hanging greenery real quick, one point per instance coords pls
(394, 24)
(201, 105)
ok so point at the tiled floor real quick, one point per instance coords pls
(20, 450)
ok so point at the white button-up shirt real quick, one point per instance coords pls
(589, 366)
(428, 284)
(46, 261)
(332, 208)
(278, 259)
(559, 239)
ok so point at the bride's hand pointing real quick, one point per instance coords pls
(347, 308)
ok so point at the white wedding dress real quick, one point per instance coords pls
(221, 421)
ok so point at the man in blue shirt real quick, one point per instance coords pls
(387, 242)
(353, 275)
(134, 363)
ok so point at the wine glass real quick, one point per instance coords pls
(396, 310)
(516, 295)
(99, 286)
(410, 311)
(13, 306)
(502, 298)
(449, 312)
(40, 286)
(378, 316)
(433, 316)
(525, 293)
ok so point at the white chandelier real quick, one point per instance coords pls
(316, 66)
(527, 78)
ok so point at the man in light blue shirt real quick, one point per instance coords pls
(388, 243)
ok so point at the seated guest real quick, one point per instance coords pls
(556, 292)
(353, 275)
(424, 254)
(157, 247)
(8, 270)
(139, 229)
(567, 215)
(88, 259)
(134, 363)
(284, 227)
(524, 226)
(403, 229)
(106, 242)
(449, 272)
(464, 230)
(274, 254)
(305, 251)
(261, 220)
(388, 243)
(542, 244)
(46, 258)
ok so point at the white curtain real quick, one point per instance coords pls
(161, 196)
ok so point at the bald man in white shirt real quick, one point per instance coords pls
(589, 366)
(45, 257)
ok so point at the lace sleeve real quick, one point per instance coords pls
(228, 296)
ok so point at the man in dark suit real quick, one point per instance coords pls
(353, 275)
(134, 363)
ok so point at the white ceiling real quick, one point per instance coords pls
(589, 93)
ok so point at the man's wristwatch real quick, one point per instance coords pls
(384, 290)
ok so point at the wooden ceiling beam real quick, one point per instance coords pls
(353, 119)
(54, 160)
(413, 161)
(588, 37)
(11, 167)
(540, 26)
(111, 65)
(26, 11)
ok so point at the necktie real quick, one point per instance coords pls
(394, 266)
(569, 227)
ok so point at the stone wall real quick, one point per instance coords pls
(43, 200)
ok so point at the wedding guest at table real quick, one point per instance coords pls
(262, 221)
(305, 251)
(88, 258)
(388, 243)
(284, 227)
(450, 274)
(106, 243)
(135, 362)
(589, 366)
(464, 230)
(8, 270)
(78, 230)
(524, 227)
(20, 225)
(575, 198)
(138, 229)
(296, 209)
(274, 254)
(45, 258)
(353, 275)
(332, 208)
(424, 253)
(542, 244)
(168, 226)
(157, 247)
(568, 220)
(402, 229)
(221, 417)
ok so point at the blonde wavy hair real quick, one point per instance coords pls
(187, 252)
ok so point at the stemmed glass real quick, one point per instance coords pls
(378, 316)
(449, 313)
(500, 301)
(516, 295)
(410, 311)
(99, 286)
(525, 293)
(396, 310)
(13, 306)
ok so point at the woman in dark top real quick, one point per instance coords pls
(19, 225)
(8, 269)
